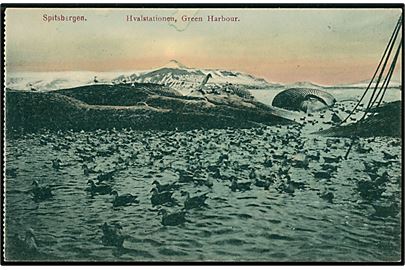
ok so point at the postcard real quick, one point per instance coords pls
(202, 134)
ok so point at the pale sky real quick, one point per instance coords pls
(327, 46)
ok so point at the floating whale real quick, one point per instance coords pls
(303, 99)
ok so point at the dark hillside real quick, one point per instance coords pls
(147, 106)
(385, 122)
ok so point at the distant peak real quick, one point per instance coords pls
(306, 84)
(174, 64)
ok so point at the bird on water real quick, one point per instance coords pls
(124, 199)
(112, 235)
(172, 219)
(159, 198)
(41, 193)
(164, 187)
(195, 201)
(101, 189)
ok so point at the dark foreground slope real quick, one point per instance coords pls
(143, 106)
(117, 95)
(386, 121)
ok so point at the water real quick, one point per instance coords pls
(266, 95)
(254, 225)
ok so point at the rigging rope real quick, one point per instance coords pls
(391, 71)
(387, 79)
(389, 45)
(385, 83)
(380, 76)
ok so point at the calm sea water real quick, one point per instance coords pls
(257, 224)
(266, 95)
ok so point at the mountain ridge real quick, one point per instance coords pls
(173, 74)
(173, 63)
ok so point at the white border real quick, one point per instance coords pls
(184, 267)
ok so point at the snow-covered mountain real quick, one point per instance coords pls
(174, 74)
(304, 84)
(185, 79)
(44, 81)
(174, 64)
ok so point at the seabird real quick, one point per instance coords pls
(101, 189)
(56, 164)
(124, 199)
(391, 210)
(240, 186)
(161, 198)
(194, 202)
(165, 187)
(26, 247)
(369, 190)
(112, 235)
(41, 193)
(328, 196)
(262, 183)
(172, 219)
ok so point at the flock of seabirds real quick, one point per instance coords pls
(99, 183)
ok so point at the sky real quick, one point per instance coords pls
(326, 46)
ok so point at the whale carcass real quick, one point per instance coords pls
(303, 99)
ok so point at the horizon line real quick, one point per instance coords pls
(183, 66)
